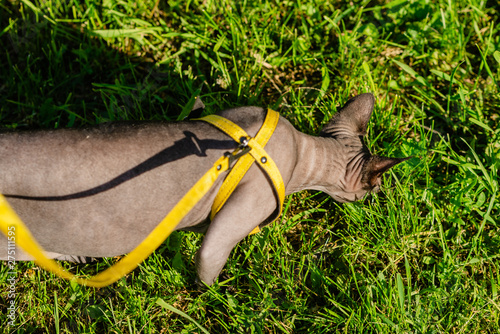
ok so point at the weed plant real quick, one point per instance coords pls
(420, 257)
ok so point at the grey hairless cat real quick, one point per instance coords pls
(98, 192)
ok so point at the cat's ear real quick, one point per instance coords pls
(376, 166)
(352, 119)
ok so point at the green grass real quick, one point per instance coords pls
(420, 257)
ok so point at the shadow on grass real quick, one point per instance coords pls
(57, 75)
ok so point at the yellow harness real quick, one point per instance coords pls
(12, 226)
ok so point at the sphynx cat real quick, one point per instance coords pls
(99, 191)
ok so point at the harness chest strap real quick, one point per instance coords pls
(13, 227)
(257, 153)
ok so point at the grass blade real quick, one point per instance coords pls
(56, 313)
(368, 73)
(411, 72)
(169, 307)
(401, 292)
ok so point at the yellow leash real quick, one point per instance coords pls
(13, 227)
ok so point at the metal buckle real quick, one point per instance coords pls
(238, 153)
(242, 149)
(244, 142)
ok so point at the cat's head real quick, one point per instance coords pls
(362, 170)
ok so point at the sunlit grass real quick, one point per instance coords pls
(421, 256)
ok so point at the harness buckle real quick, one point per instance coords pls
(242, 149)
(238, 153)
(243, 142)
